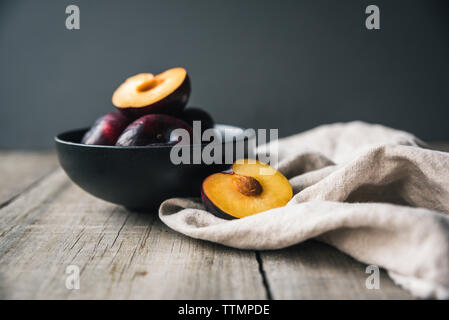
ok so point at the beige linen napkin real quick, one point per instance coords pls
(372, 192)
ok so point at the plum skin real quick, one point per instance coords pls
(173, 104)
(209, 205)
(152, 129)
(196, 114)
(106, 129)
(244, 192)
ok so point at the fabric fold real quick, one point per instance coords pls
(372, 192)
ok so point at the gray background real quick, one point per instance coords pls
(290, 65)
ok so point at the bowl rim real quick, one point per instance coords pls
(59, 140)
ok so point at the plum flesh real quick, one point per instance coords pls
(144, 93)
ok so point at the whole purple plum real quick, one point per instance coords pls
(153, 129)
(106, 129)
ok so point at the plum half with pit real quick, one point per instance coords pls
(106, 129)
(154, 129)
(249, 188)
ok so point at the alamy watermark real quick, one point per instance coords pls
(372, 22)
(72, 22)
(214, 146)
(72, 281)
(373, 280)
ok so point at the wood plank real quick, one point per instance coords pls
(124, 254)
(20, 169)
(120, 254)
(314, 270)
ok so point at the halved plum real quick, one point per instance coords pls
(144, 93)
(106, 129)
(153, 129)
(250, 187)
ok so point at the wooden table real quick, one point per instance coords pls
(48, 224)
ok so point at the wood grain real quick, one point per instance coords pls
(20, 169)
(48, 224)
(314, 270)
(120, 254)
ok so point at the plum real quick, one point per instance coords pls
(245, 190)
(153, 129)
(145, 93)
(195, 114)
(106, 130)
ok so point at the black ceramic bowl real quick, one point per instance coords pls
(139, 177)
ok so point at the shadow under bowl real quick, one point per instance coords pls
(140, 178)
